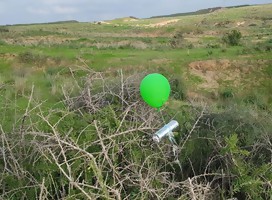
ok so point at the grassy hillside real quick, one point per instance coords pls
(73, 125)
(199, 12)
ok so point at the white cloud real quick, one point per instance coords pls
(64, 10)
(60, 10)
(63, 2)
(2, 7)
(28, 11)
(39, 11)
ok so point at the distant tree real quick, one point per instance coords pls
(132, 17)
(232, 38)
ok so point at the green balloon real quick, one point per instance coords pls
(155, 90)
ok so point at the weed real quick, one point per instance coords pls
(268, 71)
(190, 46)
(224, 50)
(2, 43)
(31, 58)
(177, 41)
(83, 40)
(226, 93)
(26, 57)
(52, 70)
(57, 60)
(4, 30)
(178, 89)
(21, 72)
(213, 46)
(20, 85)
(146, 40)
(209, 52)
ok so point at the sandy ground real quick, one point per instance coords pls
(163, 23)
(214, 71)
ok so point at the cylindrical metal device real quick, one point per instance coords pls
(164, 131)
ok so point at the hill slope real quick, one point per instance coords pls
(199, 12)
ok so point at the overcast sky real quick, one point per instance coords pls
(36, 11)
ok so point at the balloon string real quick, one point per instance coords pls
(159, 110)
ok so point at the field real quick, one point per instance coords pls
(73, 125)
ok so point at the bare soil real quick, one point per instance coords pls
(38, 40)
(8, 56)
(163, 23)
(215, 71)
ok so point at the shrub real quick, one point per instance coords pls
(178, 89)
(232, 38)
(246, 50)
(3, 30)
(209, 52)
(226, 93)
(21, 71)
(224, 50)
(2, 42)
(57, 60)
(126, 46)
(213, 46)
(268, 71)
(20, 85)
(146, 40)
(97, 144)
(190, 46)
(177, 40)
(26, 57)
(257, 100)
(52, 70)
(31, 58)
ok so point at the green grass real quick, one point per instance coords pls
(239, 110)
(110, 47)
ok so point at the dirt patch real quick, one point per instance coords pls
(211, 33)
(38, 40)
(102, 22)
(194, 96)
(163, 23)
(121, 44)
(7, 56)
(214, 72)
(160, 61)
(130, 20)
(240, 23)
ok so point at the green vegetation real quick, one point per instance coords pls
(73, 125)
(232, 38)
(199, 12)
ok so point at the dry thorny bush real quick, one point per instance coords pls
(112, 157)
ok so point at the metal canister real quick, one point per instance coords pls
(165, 130)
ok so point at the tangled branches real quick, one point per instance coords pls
(96, 144)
